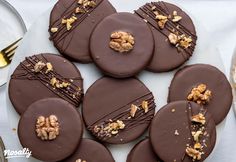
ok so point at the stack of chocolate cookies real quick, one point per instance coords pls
(47, 89)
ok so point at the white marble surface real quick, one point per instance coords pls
(219, 18)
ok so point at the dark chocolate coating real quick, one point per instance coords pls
(126, 64)
(170, 147)
(166, 56)
(143, 152)
(110, 98)
(70, 129)
(75, 42)
(91, 151)
(25, 88)
(193, 75)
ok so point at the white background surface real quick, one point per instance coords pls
(219, 18)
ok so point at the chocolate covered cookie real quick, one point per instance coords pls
(51, 129)
(122, 45)
(118, 111)
(174, 35)
(72, 22)
(142, 152)
(182, 131)
(205, 85)
(90, 151)
(44, 76)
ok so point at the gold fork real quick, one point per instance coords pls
(7, 54)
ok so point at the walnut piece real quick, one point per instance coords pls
(145, 106)
(200, 94)
(193, 153)
(196, 135)
(49, 67)
(79, 10)
(54, 30)
(173, 38)
(47, 128)
(39, 66)
(176, 17)
(68, 22)
(133, 110)
(199, 118)
(161, 19)
(121, 41)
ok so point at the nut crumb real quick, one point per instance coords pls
(145, 106)
(172, 110)
(68, 22)
(176, 18)
(121, 41)
(39, 66)
(176, 132)
(80, 160)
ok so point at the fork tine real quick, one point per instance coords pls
(8, 47)
(10, 53)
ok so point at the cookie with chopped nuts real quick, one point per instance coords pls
(71, 24)
(90, 151)
(121, 45)
(118, 111)
(204, 84)
(51, 128)
(43, 76)
(174, 35)
(183, 131)
(143, 152)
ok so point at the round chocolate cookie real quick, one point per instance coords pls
(90, 151)
(43, 76)
(71, 24)
(205, 85)
(174, 35)
(141, 152)
(182, 131)
(118, 111)
(51, 129)
(122, 45)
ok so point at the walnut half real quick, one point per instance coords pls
(47, 128)
(121, 41)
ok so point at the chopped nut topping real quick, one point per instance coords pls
(54, 30)
(181, 40)
(173, 38)
(69, 22)
(133, 110)
(79, 10)
(109, 129)
(145, 106)
(153, 8)
(39, 66)
(200, 94)
(195, 154)
(161, 19)
(49, 67)
(199, 118)
(121, 41)
(56, 83)
(87, 3)
(196, 135)
(47, 128)
(176, 17)
(80, 160)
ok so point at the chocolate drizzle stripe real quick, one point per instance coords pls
(119, 108)
(62, 31)
(66, 94)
